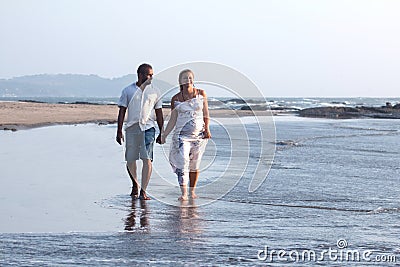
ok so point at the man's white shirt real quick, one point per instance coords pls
(141, 105)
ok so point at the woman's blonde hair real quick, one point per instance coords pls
(183, 72)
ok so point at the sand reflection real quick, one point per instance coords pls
(189, 219)
(139, 212)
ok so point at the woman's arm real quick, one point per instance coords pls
(206, 115)
(171, 121)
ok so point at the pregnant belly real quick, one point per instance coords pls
(192, 128)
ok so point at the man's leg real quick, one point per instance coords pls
(147, 154)
(131, 168)
(133, 140)
(146, 173)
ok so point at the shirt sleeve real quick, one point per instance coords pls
(158, 103)
(123, 100)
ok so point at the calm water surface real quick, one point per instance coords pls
(331, 180)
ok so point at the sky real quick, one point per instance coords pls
(299, 48)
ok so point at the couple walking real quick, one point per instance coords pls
(189, 117)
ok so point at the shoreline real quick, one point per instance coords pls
(27, 115)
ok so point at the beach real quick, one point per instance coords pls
(301, 160)
(23, 115)
(65, 198)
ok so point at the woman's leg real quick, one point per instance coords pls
(184, 193)
(183, 181)
(196, 154)
(193, 177)
(183, 174)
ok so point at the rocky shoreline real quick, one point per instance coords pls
(384, 112)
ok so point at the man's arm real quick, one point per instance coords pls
(121, 118)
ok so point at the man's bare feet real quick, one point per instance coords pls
(193, 195)
(143, 195)
(135, 185)
(134, 193)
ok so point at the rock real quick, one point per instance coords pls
(9, 129)
(254, 107)
(287, 143)
(374, 109)
(235, 100)
(349, 112)
(330, 112)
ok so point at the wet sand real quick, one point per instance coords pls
(25, 115)
(73, 178)
(54, 179)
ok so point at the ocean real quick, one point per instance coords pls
(275, 103)
(331, 198)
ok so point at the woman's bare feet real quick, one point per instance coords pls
(193, 195)
(184, 193)
(183, 198)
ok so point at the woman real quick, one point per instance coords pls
(190, 118)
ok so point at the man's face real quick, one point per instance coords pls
(145, 78)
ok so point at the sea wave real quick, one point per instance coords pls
(279, 103)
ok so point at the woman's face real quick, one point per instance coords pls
(186, 79)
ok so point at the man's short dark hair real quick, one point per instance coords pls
(143, 68)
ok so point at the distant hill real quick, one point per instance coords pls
(64, 85)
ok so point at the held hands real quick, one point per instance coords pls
(159, 139)
(162, 138)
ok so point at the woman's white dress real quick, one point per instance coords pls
(188, 144)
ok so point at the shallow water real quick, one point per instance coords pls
(331, 180)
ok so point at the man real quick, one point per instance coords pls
(144, 106)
